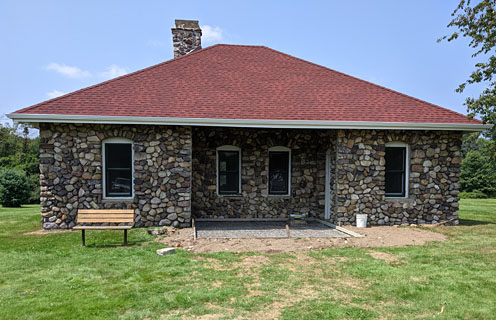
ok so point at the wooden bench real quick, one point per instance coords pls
(88, 217)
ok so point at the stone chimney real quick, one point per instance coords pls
(186, 37)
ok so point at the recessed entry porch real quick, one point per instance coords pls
(249, 173)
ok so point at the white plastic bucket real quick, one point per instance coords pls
(361, 220)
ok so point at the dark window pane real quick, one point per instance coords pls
(394, 183)
(118, 170)
(119, 182)
(395, 171)
(228, 168)
(278, 183)
(279, 172)
(395, 158)
(279, 161)
(118, 155)
(229, 160)
(228, 182)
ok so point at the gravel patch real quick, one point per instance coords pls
(265, 229)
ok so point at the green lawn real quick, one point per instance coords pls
(51, 276)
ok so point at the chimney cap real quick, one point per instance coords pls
(187, 24)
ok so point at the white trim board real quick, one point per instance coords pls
(344, 230)
(247, 123)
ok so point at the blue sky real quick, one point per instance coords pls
(55, 47)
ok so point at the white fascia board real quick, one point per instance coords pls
(245, 123)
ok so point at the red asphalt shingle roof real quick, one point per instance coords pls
(245, 82)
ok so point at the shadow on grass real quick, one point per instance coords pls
(130, 244)
(469, 222)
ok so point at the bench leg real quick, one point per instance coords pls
(83, 237)
(125, 236)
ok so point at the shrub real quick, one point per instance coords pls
(472, 195)
(14, 188)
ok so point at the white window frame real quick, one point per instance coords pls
(279, 149)
(407, 167)
(227, 148)
(104, 173)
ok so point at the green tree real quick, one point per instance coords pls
(471, 141)
(14, 188)
(478, 23)
(20, 152)
(8, 141)
(478, 173)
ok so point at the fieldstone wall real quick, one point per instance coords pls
(175, 174)
(308, 153)
(433, 184)
(71, 173)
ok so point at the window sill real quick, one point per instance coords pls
(118, 200)
(399, 199)
(284, 196)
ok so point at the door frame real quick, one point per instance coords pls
(327, 211)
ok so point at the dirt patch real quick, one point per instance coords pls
(305, 266)
(374, 237)
(288, 299)
(252, 261)
(212, 263)
(388, 258)
(247, 264)
(220, 312)
(45, 232)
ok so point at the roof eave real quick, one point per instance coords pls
(246, 123)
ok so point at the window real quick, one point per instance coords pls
(228, 170)
(118, 168)
(279, 171)
(396, 170)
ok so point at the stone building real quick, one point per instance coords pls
(233, 131)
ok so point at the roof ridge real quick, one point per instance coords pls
(241, 45)
(117, 78)
(369, 83)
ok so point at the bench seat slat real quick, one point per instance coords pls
(107, 216)
(105, 211)
(102, 227)
(103, 220)
(96, 220)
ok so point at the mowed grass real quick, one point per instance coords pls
(50, 276)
